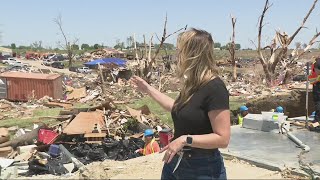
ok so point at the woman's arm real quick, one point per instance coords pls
(165, 101)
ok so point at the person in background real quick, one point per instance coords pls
(200, 114)
(279, 109)
(243, 113)
(151, 145)
(314, 79)
(313, 114)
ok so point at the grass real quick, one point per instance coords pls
(27, 122)
(156, 109)
(81, 105)
(46, 112)
(24, 122)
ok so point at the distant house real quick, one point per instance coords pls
(108, 52)
(5, 51)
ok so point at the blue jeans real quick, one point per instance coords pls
(201, 167)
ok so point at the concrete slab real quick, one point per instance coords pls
(254, 121)
(274, 149)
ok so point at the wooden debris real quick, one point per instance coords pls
(12, 154)
(314, 125)
(93, 138)
(4, 132)
(77, 93)
(23, 157)
(4, 139)
(5, 151)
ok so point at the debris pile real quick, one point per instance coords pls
(80, 136)
(103, 53)
(10, 110)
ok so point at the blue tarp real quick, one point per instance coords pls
(117, 61)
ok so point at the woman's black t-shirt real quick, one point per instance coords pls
(193, 117)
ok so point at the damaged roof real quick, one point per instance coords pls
(29, 75)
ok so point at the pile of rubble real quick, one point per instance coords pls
(80, 136)
(13, 110)
(103, 53)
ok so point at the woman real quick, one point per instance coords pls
(200, 114)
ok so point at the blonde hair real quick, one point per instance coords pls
(196, 64)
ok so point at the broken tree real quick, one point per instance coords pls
(279, 47)
(232, 48)
(151, 61)
(67, 45)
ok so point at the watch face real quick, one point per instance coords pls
(189, 140)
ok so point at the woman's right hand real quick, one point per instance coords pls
(140, 84)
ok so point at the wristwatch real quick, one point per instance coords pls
(189, 140)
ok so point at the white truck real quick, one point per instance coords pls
(9, 61)
(18, 64)
(84, 70)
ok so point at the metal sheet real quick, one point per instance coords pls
(29, 75)
(24, 88)
(3, 88)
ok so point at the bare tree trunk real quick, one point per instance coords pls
(23, 140)
(67, 46)
(102, 80)
(145, 46)
(164, 37)
(70, 56)
(150, 45)
(135, 46)
(232, 49)
(266, 71)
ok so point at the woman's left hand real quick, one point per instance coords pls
(173, 148)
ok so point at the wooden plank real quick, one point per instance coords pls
(5, 151)
(89, 135)
(314, 125)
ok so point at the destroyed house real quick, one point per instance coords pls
(18, 86)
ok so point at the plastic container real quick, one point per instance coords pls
(54, 150)
(165, 136)
(47, 136)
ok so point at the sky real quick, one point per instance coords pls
(104, 21)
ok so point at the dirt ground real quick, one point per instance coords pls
(149, 167)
